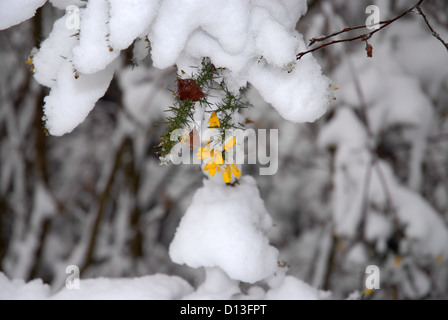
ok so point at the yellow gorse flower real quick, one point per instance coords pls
(29, 62)
(212, 168)
(227, 174)
(215, 161)
(368, 292)
(214, 121)
(235, 170)
(230, 144)
(204, 153)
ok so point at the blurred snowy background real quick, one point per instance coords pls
(365, 184)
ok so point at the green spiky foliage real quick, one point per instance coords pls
(182, 111)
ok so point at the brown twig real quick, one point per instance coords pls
(362, 37)
(347, 29)
(434, 33)
(89, 257)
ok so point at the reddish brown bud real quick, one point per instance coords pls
(189, 89)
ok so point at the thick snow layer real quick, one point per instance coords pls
(53, 53)
(159, 287)
(294, 289)
(73, 94)
(226, 227)
(63, 4)
(18, 289)
(129, 19)
(154, 287)
(255, 40)
(299, 96)
(17, 11)
(94, 52)
(176, 20)
(71, 100)
(217, 286)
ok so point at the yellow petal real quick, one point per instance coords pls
(230, 144)
(29, 61)
(235, 170)
(218, 158)
(214, 121)
(203, 153)
(200, 153)
(211, 167)
(208, 166)
(227, 175)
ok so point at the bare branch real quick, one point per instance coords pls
(362, 37)
(347, 29)
(434, 33)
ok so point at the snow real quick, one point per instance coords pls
(177, 20)
(217, 286)
(154, 287)
(53, 53)
(129, 19)
(94, 53)
(354, 185)
(71, 99)
(378, 227)
(159, 287)
(424, 226)
(295, 289)
(256, 47)
(406, 34)
(272, 40)
(420, 285)
(226, 227)
(17, 11)
(63, 4)
(298, 96)
(18, 289)
(254, 40)
(357, 255)
(226, 232)
(392, 96)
